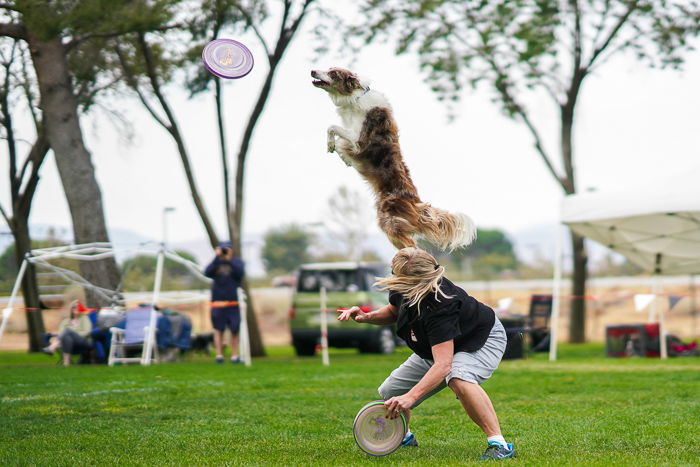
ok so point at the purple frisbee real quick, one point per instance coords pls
(227, 58)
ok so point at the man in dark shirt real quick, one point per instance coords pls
(457, 342)
(226, 273)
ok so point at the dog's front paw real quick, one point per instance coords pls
(345, 159)
(331, 143)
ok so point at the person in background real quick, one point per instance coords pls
(226, 273)
(73, 334)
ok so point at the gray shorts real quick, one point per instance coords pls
(473, 367)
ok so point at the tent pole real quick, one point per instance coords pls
(653, 315)
(661, 316)
(663, 352)
(556, 287)
(244, 340)
(693, 307)
(324, 327)
(149, 344)
(15, 290)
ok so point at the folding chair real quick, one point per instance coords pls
(132, 337)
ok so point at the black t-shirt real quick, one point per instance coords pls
(461, 318)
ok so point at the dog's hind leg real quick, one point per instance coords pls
(401, 240)
(397, 231)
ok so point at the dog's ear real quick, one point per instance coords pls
(352, 82)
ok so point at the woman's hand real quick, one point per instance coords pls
(354, 313)
(396, 405)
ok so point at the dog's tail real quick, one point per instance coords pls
(446, 230)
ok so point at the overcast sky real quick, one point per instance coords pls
(633, 123)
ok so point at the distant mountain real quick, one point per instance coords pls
(531, 244)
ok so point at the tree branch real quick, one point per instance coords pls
(133, 84)
(620, 22)
(8, 6)
(26, 86)
(295, 25)
(285, 15)
(285, 37)
(601, 26)
(112, 34)
(14, 30)
(256, 31)
(7, 123)
(605, 56)
(32, 157)
(155, 85)
(89, 96)
(174, 131)
(37, 155)
(577, 35)
(7, 219)
(511, 103)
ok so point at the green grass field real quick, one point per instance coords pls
(583, 409)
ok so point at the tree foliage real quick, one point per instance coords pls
(491, 254)
(9, 266)
(286, 248)
(519, 45)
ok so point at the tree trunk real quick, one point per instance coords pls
(577, 324)
(577, 317)
(257, 349)
(256, 345)
(30, 288)
(218, 97)
(75, 167)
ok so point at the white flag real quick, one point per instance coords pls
(641, 301)
(505, 303)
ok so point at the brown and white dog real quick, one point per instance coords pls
(369, 141)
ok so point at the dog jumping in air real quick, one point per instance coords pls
(369, 141)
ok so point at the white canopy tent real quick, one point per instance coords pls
(655, 226)
(97, 251)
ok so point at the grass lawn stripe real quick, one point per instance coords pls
(584, 409)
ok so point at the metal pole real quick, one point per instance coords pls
(556, 287)
(15, 290)
(661, 315)
(653, 315)
(324, 327)
(244, 337)
(149, 344)
(165, 225)
(693, 307)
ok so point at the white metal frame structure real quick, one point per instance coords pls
(94, 252)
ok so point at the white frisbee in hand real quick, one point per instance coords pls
(374, 433)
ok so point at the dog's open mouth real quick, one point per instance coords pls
(318, 82)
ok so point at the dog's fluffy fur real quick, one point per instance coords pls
(369, 141)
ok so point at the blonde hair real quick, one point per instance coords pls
(414, 274)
